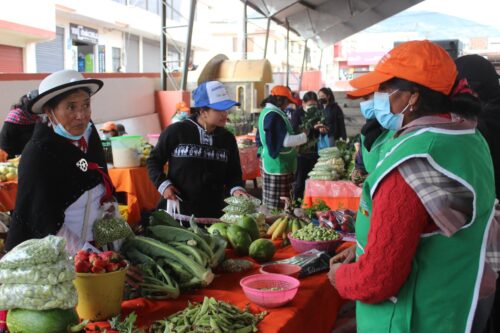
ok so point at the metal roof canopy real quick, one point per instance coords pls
(328, 21)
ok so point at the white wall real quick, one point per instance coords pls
(32, 13)
(127, 100)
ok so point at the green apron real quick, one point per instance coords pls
(371, 157)
(441, 292)
(286, 161)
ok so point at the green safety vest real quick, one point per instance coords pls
(371, 157)
(441, 292)
(286, 161)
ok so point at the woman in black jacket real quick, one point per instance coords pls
(334, 117)
(202, 156)
(63, 179)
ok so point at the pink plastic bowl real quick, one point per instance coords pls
(252, 287)
(285, 269)
(303, 246)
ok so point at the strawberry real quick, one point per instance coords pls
(82, 267)
(111, 267)
(93, 257)
(99, 263)
(97, 269)
(122, 263)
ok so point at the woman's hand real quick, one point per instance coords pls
(171, 193)
(321, 127)
(240, 193)
(331, 273)
(347, 256)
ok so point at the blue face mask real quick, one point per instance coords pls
(385, 117)
(367, 109)
(60, 130)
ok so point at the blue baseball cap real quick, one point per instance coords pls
(213, 95)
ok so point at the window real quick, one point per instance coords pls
(154, 6)
(117, 59)
(138, 3)
(174, 10)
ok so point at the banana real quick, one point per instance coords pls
(274, 226)
(280, 228)
(296, 225)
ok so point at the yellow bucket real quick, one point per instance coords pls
(100, 294)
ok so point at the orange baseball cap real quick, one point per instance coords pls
(282, 91)
(422, 62)
(181, 106)
(108, 126)
(354, 94)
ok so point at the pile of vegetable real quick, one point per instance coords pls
(291, 221)
(37, 288)
(209, 316)
(243, 236)
(109, 229)
(313, 233)
(238, 207)
(87, 261)
(334, 163)
(173, 258)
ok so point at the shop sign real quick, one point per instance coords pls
(83, 34)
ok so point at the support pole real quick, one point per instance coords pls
(267, 36)
(287, 53)
(245, 33)
(163, 46)
(187, 53)
(304, 59)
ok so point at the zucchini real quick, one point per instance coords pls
(168, 234)
(157, 250)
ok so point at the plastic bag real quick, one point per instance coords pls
(311, 262)
(323, 141)
(38, 297)
(111, 226)
(55, 273)
(34, 252)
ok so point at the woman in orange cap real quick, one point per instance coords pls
(277, 147)
(181, 112)
(109, 129)
(424, 214)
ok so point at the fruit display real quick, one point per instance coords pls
(173, 258)
(334, 163)
(339, 220)
(262, 250)
(210, 315)
(237, 207)
(87, 261)
(8, 171)
(282, 226)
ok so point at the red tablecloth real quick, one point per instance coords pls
(141, 192)
(314, 309)
(8, 191)
(336, 194)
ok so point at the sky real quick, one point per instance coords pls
(482, 11)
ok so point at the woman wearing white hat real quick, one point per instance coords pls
(62, 175)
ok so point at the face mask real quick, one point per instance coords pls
(385, 117)
(367, 109)
(108, 135)
(308, 107)
(182, 115)
(322, 100)
(60, 130)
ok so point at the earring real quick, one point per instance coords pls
(411, 108)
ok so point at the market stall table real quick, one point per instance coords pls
(336, 194)
(314, 308)
(8, 191)
(141, 192)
